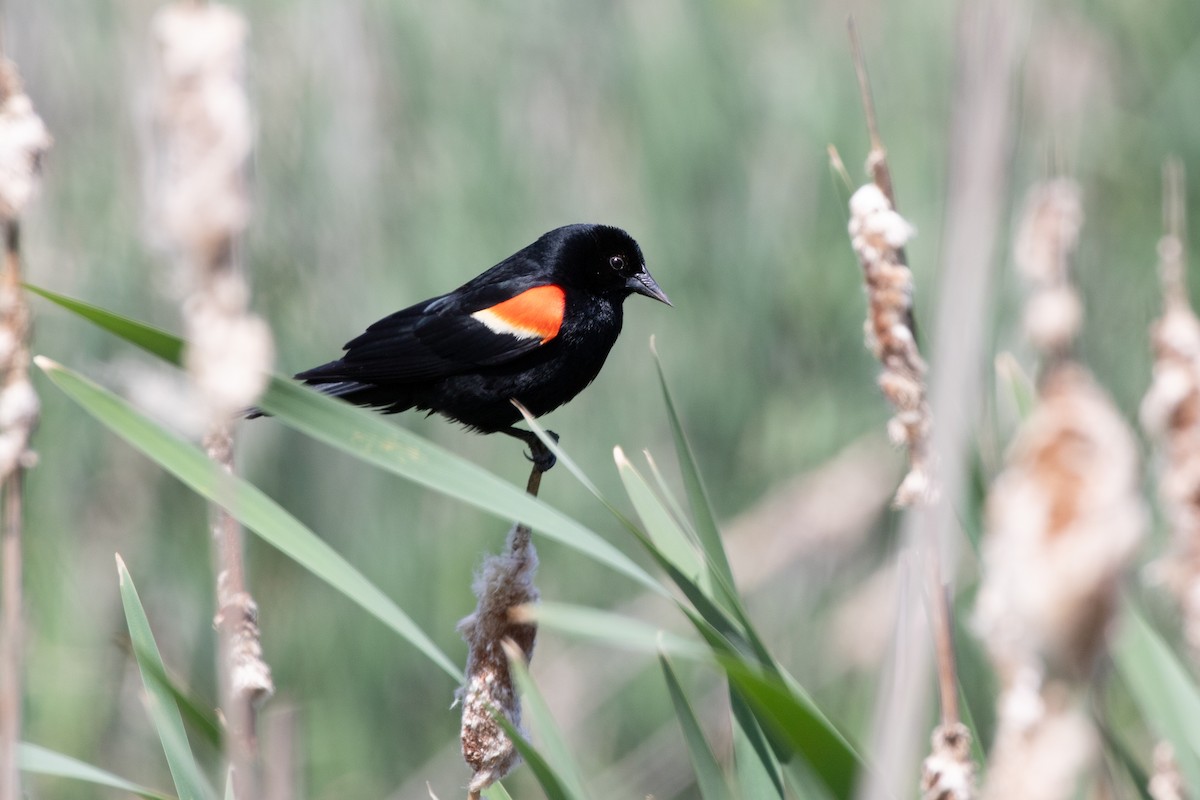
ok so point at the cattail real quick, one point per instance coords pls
(1170, 413)
(203, 209)
(24, 141)
(948, 772)
(878, 235)
(206, 138)
(1064, 519)
(504, 583)
(1047, 238)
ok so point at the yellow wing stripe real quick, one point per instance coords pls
(533, 314)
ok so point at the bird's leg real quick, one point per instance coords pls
(538, 453)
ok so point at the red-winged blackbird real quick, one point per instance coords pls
(535, 328)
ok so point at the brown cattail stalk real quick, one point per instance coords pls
(1171, 412)
(281, 767)
(878, 235)
(24, 140)
(503, 585)
(1063, 521)
(206, 137)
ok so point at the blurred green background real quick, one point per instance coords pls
(403, 148)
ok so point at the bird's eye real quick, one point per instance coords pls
(617, 263)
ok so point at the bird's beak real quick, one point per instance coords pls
(642, 283)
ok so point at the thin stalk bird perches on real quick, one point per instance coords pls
(504, 584)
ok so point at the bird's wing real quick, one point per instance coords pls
(450, 334)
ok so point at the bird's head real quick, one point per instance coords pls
(605, 260)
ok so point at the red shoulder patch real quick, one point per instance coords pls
(534, 313)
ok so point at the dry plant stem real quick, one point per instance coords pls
(1173, 246)
(11, 637)
(245, 678)
(943, 638)
(504, 583)
(16, 426)
(10, 643)
(280, 736)
(877, 158)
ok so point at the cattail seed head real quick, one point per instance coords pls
(504, 583)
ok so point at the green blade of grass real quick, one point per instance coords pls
(665, 494)
(497, 792)
(565, 459)
(198, 714)
(763, 698)
(703, 518)
(720, 604)
(729, 627)
(371, 438)
(1134, 773)
(798, 723)
(728, 633)
(1010, 375)
(800, 782)
(668, 537)
(554, 746)
(39, 760)
(367, 436)
(550, 781)
(709, 777)
(758, 770)
(722, 608)
(165, 345)
(718, 620)
(190, 782)
(708, 533)
(618, 630)
(1163, 690)
(246, 503)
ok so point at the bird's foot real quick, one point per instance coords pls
(538, 453)
(541, 456)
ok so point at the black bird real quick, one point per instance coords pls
(536, 328)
